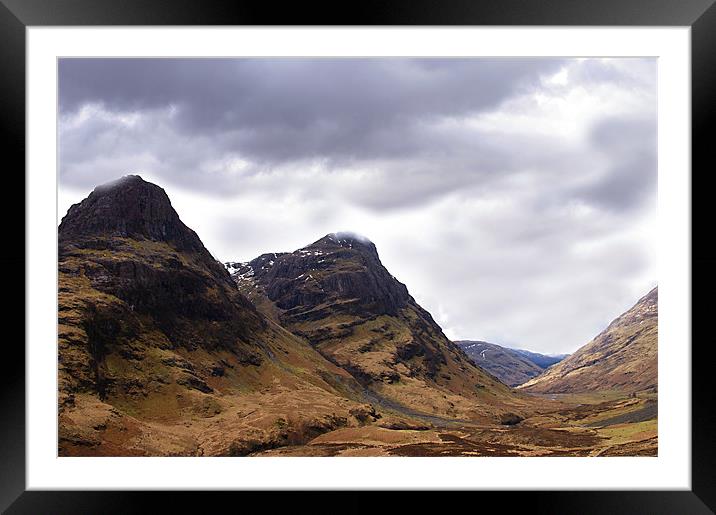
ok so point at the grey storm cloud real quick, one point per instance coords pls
(631, 145)
(276, 111)
(513, 196)
(295, 94)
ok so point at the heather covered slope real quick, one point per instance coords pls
(623, 357)
(160, 354)
(337, 294)
(511, 366)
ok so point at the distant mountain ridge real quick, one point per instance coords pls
(541, 360)
(623, 357)
(511, 366)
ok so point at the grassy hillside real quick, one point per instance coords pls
(623, 357)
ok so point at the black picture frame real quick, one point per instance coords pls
(16, 15)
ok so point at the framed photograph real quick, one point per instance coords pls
(420, 252)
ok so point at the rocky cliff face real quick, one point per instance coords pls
(336, 274)
(155, 339)
(337, 294)
(126, 241)
(128, 208)
(623, 357)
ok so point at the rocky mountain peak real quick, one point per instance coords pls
(341, 269)
(129, 207)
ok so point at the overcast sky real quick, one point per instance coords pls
(516, 198)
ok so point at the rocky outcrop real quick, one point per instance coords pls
(341, 270)
(128, 208)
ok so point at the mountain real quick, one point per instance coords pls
(337, 294)
(160, 354)
(511, 366)
(317, 352)
(623, 357)
(541, 360)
